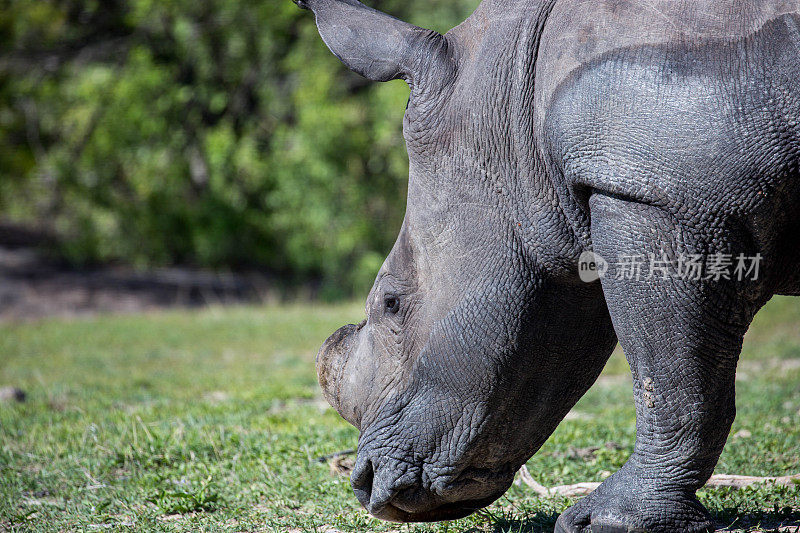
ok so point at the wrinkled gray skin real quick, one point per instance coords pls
(537, 130)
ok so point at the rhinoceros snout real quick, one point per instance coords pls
(332, 359)
(392, 496)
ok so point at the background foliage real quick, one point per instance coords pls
(219, 133)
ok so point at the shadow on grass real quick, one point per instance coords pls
(782, 520)
(779, 519)
(538, 522)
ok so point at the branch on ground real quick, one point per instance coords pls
(717, 480)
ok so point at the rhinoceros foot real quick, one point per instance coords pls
(624, 504)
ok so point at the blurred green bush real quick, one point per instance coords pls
(215, 133)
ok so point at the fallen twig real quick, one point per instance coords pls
(326, 458)
(570, 491)
(717, 480)
(738, 482)
(340, 463)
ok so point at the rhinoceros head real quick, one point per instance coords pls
(479, 337)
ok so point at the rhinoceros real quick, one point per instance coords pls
(659, 137)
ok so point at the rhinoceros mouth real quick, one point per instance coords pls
(448, 511)
(407, 499)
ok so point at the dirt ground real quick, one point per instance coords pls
(33, 287)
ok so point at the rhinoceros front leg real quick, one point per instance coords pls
(682, 338)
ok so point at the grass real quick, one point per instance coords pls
(212, 421)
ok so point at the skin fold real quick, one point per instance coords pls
(536, 131)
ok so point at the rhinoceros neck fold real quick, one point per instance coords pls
(473, 150)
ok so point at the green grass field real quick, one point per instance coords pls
(212, 420)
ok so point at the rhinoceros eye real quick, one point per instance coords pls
(391, 303)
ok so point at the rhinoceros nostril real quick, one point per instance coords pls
(375, 494)
(361, 481)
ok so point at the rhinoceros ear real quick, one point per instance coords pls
(377, 46)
